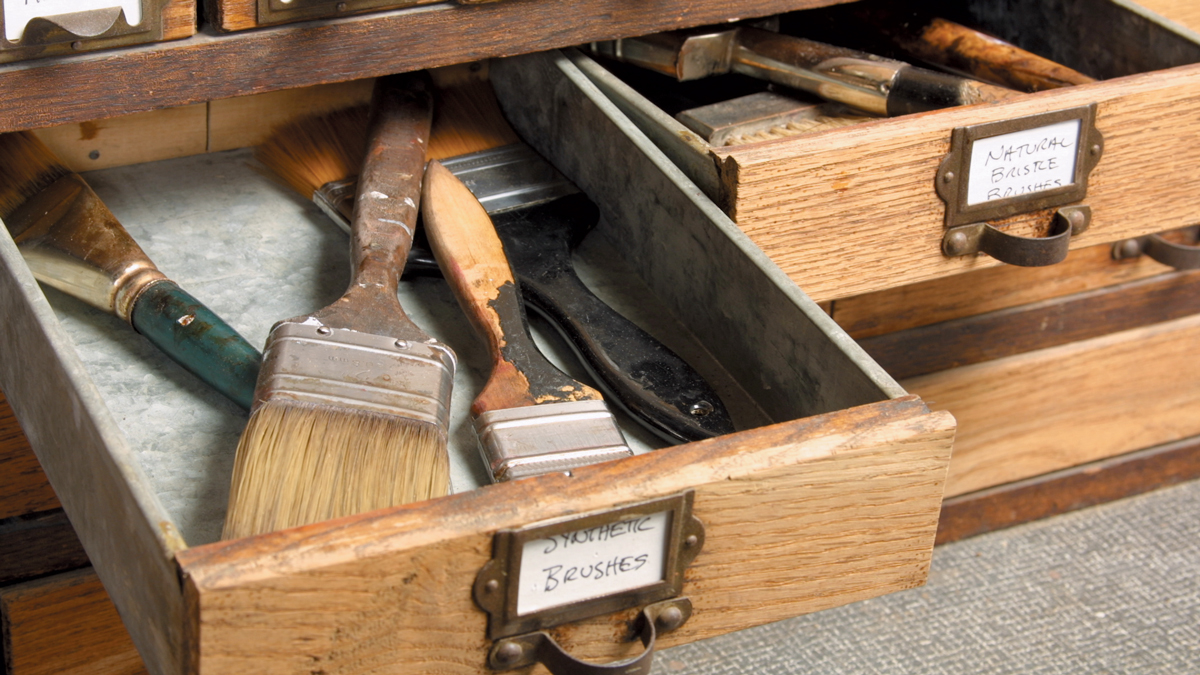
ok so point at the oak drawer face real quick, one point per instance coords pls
(857, 209)
(830, 489)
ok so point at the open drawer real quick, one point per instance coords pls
(860, 208)
(830, 493)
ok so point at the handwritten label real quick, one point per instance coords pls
(1023, 162)
(17, 13)
(594, 562)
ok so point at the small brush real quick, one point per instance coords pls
(530, 418)
(72, 242)
(351, 411)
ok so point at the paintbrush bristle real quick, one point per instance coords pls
(312, 151)
(349, 461)
(468, 120)
(27, 166)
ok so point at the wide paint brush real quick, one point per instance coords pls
(857, 79)
(72, 242)
(541, 218)
(530, 418)
(351, 411)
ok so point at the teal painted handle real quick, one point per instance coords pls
(198, 340)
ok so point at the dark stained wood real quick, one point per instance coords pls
(23, 486)
(960, 342)
(65, 625)
(1070, 489)
(37, 545)
(212, 66)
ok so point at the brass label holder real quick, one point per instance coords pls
(548, 574)
(89, 28)
(285, 11)
(1006, 168)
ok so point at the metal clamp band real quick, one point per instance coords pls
(526, 650)
(1016, 250)
(1173, 254)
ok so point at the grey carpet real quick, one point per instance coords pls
(1106, 590)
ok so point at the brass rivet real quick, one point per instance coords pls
(670, 618)
(324, 330)
(1076, 219)
(1130, 248)
(956, 243)
(1096, 149)
(491, 586)
(341, 7)
(948, 177)
(402, 344)
(509, 652)
(691, 541)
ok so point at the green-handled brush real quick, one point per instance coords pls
(351, 410)
(71, 241)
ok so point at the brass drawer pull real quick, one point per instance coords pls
(1016, 250)
(525, 650)
(1174, 254)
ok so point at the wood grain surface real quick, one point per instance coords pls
(798, 517)
(1047, 410)
(130, 139)
(65, 625)
(23, 485)
(994, 335)
(210, 66)
(985, 290)
(1186, 12)
(853, 210)
(1070, 489)
(38, 544)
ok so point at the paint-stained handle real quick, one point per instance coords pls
(197, 339)
(473, 261)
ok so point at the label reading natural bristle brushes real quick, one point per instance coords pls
(593, 562)
(1024, 162)
(17, 14)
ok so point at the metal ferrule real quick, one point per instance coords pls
(534, 440)
(336, 200)
(860, 83)
(71, 241)
(306, 361)
(509, 177)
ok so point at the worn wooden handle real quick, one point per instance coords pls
(472, 259)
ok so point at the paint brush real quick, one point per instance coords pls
(860, 80)
(530, 417)
(520, 190)
(72, 242)
(351, 410)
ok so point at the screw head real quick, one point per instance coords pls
(95, 154)
(402, 344)
(341, 7)
(1077, 220)
(701, 408)
(77, 45)
(1130, 248)
(324, 330)
(509, 652)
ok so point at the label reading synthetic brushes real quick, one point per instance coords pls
(550, 573)
(17, 14)
(592, 562)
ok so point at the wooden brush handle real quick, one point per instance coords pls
(969, 51)
(386, 207)
(473, 261)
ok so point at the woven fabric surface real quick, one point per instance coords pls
(1113, 589)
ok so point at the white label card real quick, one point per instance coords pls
(17, 13)
(1023, 162)
(593, 562)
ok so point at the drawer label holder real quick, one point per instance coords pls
(1002, 169)
(551, 573)
(30, 27)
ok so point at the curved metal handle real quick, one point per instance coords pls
(1017, 250)
(1158, 247)
(525, 650)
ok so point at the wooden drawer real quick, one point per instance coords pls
(829, 495)
(855, 209)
